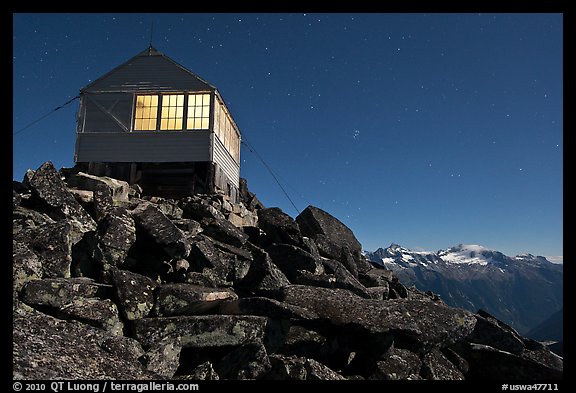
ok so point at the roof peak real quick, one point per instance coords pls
(150, 51)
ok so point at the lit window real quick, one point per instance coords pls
(198, 112)
(172, 112)
(146, 112)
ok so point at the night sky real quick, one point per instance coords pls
(426, 130)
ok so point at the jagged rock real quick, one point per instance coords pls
(168, 207)
(197, 209)
(263, 276)
(265, 307)
(56, 292)
(437, 367)
(204, 331)
(161, 229)
(291, 258)
(16, 199)
(203, 372)
(337, 276)
(188, 225)
(248, 198)
(115, 234)
(256, 236)
(457, 360)
(348, 261)
(490, 331)
(329, 233)
(125, 347)
(308, 343)
(187, 299)
(248, 361)
(397, 364)
(222, 230)
(84, 197)
(379, 293)
(299, 368)
(48, 348)
(118, 189)
(24, 218)
(422, 324)
(135, 191)
(163, 357)
(103, 202)
(376, 277)
(135, 293)
(397, 290)
(52, 243)
(25, 265)
(279, 226)
(49, 190)
(491, 363)
(100, 313)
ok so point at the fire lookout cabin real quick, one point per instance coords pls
(152, 122)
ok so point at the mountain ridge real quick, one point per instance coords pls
(523, 290)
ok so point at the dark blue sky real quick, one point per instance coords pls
(426, 130)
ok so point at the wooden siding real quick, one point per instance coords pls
(143, 146)
(230, 168)
(149, 72)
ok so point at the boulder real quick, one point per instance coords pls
(100, 313)
(265, 307)
(115, 235)
(163, 357)
(51, 193)
(203, 372)
(25, 265)
(135, 293)
(224, 231)
(291, 258)
(300, 368)
(279, 226)
(420, 324)
(436, 366)
(263, 276)
(187, 299)
(24, 218)
(83, 197)
(203, 331)
(57, 292)
(248, 361)
(46, 348)
(152, 221)
(491, 331)
(103, 202)
(397, 364)
(52, 243)
(188, 225)
(306, 342)
(329, 233)
(16, 199)
(119, 189)
(196, 208)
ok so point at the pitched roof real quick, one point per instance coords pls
(150, 70)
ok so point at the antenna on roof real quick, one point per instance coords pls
(151, 32)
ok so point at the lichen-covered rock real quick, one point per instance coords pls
(100, 313)
(422, 323)
(186, 299)
(163, 357)
(248, 361)
(56, 292)
(48, 189)
(52, 243)
(24, 219)
(188, 225)
(291, 258)
(336, 276)
(224, 231)
(115, 234)
(119, 189)
(25, 265)
(161, 229)
(279, 226)
(16, 199)
(397, 364)
(437, 367)
(197, 209)
(308, 343)
(135, 293)
(300, 368)
(491, 331)
(329, 233)
(203, 331)
(48, 348)
(103, 203)
(265, 307)
(203, 372)
(263, 277)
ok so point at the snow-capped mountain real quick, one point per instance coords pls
(523, 290)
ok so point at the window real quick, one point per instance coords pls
(146, 112)
(172, 112)
(198, 112)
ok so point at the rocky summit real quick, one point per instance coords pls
(109, 283)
